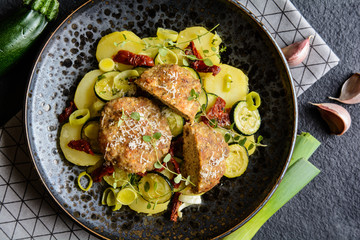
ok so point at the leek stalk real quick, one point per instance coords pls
(305, 146)
(298, 175)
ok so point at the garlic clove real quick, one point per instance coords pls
(337, 118)
(297, 52)
(350, 91)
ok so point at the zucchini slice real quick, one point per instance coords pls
(141, 206)
(203, 98)
(211, 100)
(166, 57)
(175, 121)
(194, 73)
(118, 179)
(237, 161)
(247, 122)
(154, 187)
(90, 133)
(112, 85)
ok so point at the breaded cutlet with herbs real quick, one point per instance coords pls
(121, 133)
(172, 84)
(204, 158)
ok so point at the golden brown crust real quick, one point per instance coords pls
(121, 136)
(172, 85)
(204, 158)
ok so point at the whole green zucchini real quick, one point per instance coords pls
(19, 31)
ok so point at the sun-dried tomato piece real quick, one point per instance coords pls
(102, 171)
(191, 50)
(176, 164)
(64, 116)
(81, 145)
(199, 65)
(136, 60)
(218, 113)
(175, 204)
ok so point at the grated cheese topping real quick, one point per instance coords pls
(129, 132)
(211, 171)
(170, 84)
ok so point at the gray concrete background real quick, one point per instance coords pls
(329, 207)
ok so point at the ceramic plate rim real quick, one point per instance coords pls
(295, 123)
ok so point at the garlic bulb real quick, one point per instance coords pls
(350, 91)
(337, 118)
(297, 52)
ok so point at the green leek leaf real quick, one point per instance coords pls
(305, 146)
(298, 175)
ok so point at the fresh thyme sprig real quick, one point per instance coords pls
(134, 115)
(152, 140)
(231, 135)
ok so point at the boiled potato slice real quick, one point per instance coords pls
(205, 44)
(239, 86)
(140, 206)
(167, 34)
(76, 157)
(84, 95)
(110, 44)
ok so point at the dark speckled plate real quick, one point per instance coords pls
(70, 53)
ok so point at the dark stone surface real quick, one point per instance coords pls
(329, 207)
